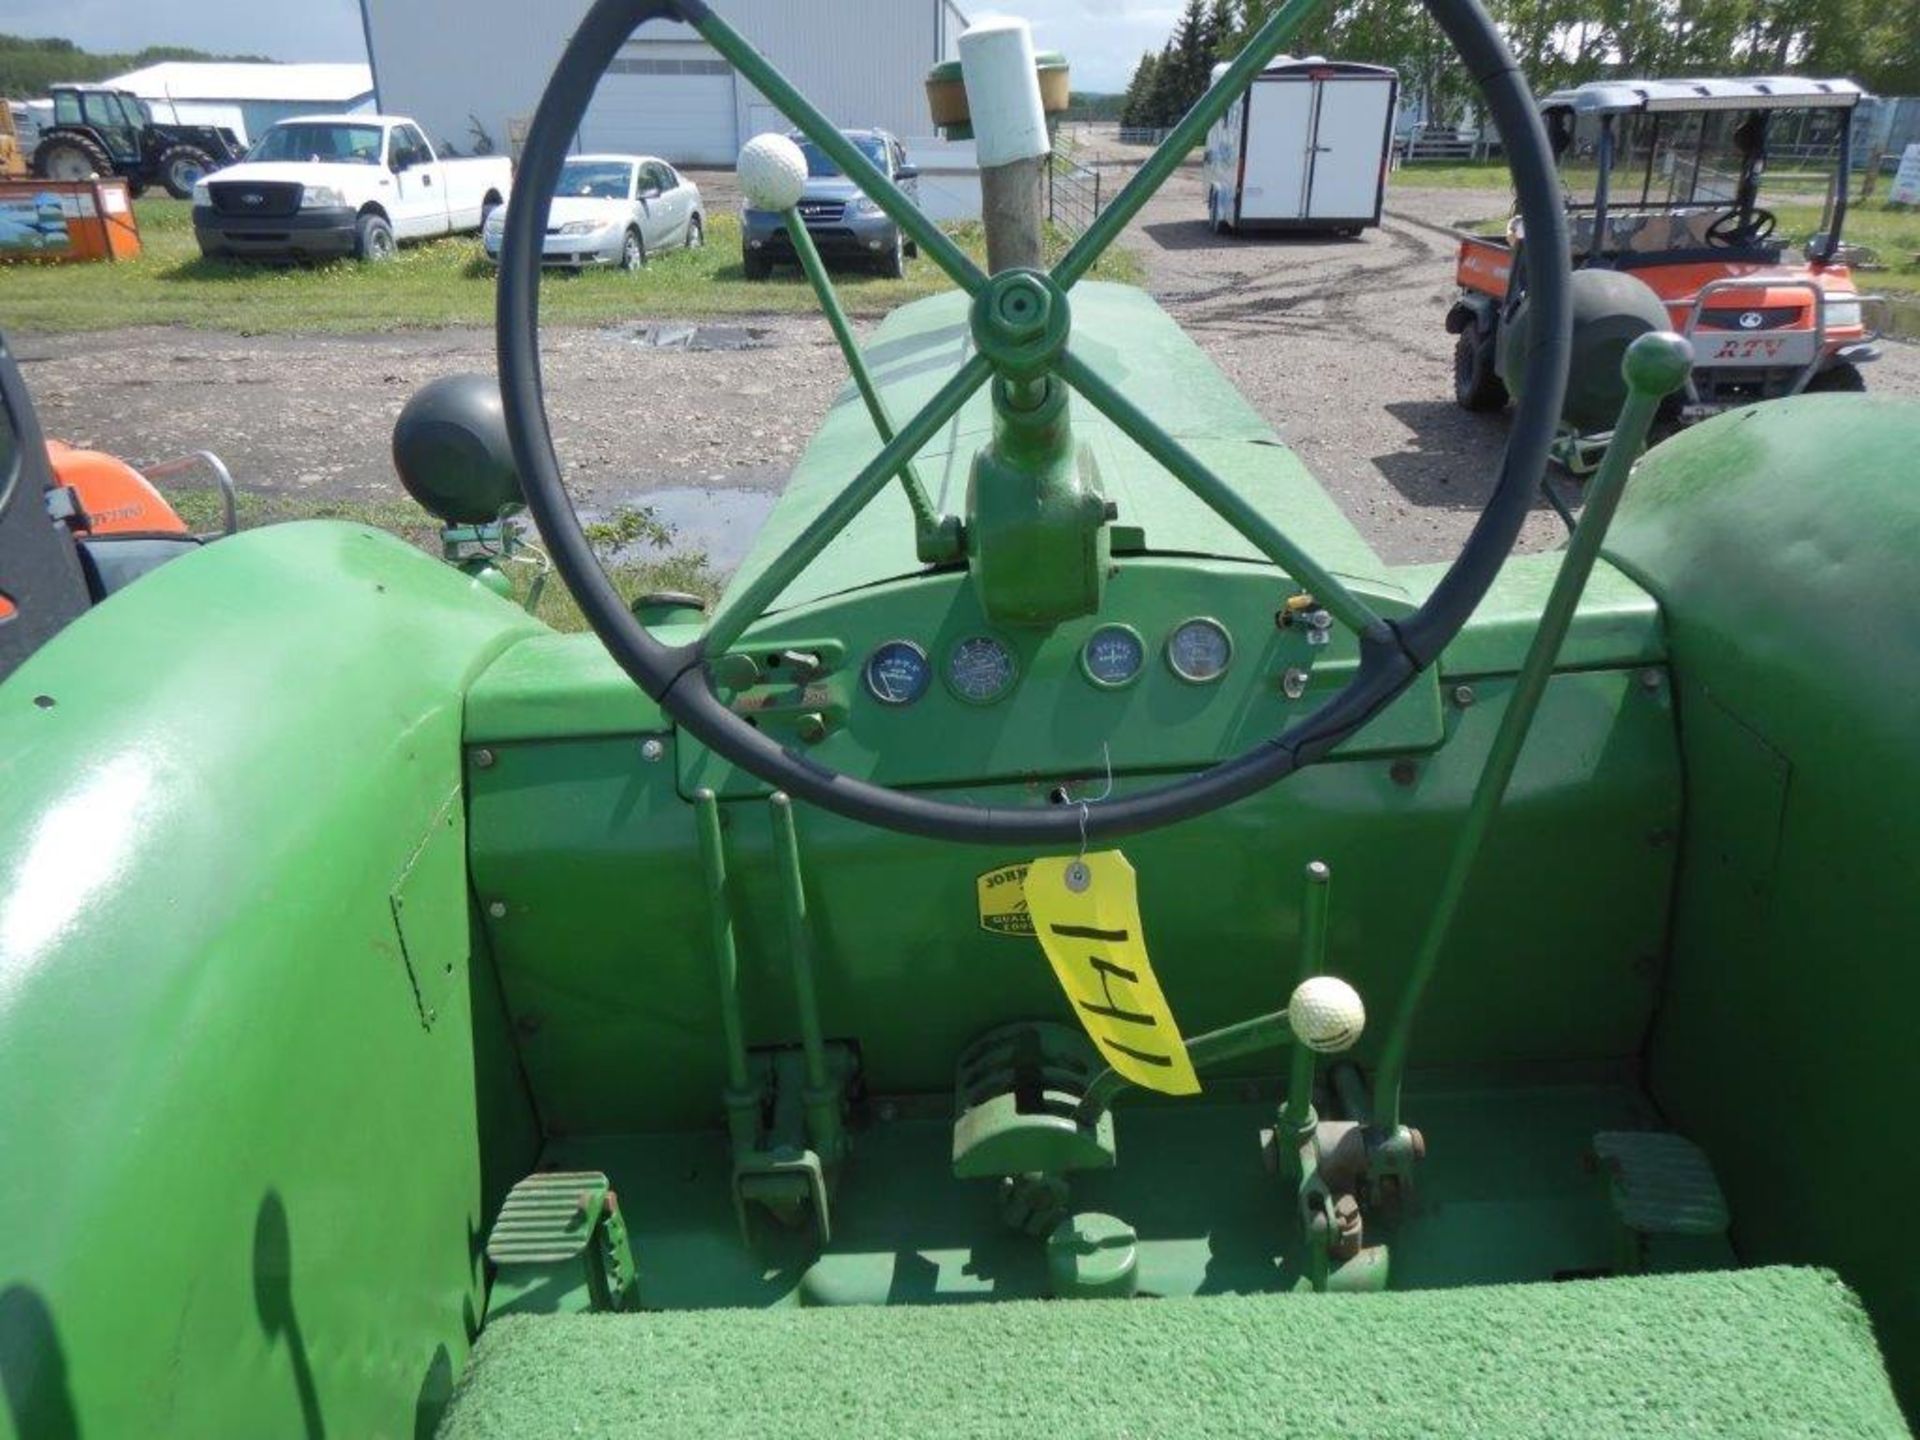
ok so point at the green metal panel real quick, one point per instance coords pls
(1618, 622)
(256, 1173)
(1781, 542)
(588, 851)
(1137, 347)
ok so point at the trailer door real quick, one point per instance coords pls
(1349, 148)
(1274, 158)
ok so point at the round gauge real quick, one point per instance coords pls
(980, 669)
(1113, 655)
(898, 673)
(1199, 651)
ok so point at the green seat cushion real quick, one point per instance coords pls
(1781, 1352)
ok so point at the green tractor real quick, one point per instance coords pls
(1070, 944)
(98, 130)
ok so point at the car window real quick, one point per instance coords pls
(304, 140)
(656, 178)
(820, 167)
(409, 147)
(669, 177)
(101, 110)
(66, 108)
(596, 179)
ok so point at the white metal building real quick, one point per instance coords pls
(247, 97)
(471, 71)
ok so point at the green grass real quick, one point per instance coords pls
(442, 282)
(667, 567)
(1464, 175)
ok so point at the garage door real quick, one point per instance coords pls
(680, 110)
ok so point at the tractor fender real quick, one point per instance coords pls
(1473, 310)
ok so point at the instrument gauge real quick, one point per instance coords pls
(897, 673)
(1199, 651)
(980, 669)
(1113, 656)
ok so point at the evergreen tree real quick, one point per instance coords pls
(1133, 113)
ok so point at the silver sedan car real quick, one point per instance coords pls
(613, 210)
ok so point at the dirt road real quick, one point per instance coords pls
(1339, 343)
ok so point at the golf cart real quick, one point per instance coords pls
(1663, 182)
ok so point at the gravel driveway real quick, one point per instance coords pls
(1338, 343)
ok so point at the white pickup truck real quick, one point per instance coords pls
(323, 186)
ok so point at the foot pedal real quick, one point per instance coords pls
(1661, 1183)
(560, 1244)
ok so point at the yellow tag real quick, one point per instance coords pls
(1087, 917)
(1003, 901)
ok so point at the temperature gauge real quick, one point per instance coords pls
(898, 673)
(1112, 656)
(981, 670)
(1199, 651)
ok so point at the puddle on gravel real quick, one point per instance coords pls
(699, 337)
(723, 523)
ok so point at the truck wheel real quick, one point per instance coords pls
(1841, 379)
(893, 264)
(373, 239)
(696, 233)
(70, 157)
(633, 252)
(756, 267)
(1475, 385)
(182, 167)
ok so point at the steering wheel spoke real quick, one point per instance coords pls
(1226, 502)
(934, 242)
(1191, 130)
(739, 611)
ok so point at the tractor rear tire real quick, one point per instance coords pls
(1841, 379)
(182, 166)
(1476, 385)
(373, 240)
(73, 156)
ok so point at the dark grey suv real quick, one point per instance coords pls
(845, 224)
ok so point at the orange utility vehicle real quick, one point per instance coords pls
(1663, 186)
(78, 525)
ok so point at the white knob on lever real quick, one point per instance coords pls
(1326, 1014)
(773, 173)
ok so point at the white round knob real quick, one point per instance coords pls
(773, 172)
(1326, 1014)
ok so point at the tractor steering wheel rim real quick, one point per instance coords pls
(1392, 652)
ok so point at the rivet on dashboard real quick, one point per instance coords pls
(1293, 684)
(652, 748)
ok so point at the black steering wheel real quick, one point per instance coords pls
(1392, 652)
(1739, 228)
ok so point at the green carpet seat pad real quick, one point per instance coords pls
(1777, 1352)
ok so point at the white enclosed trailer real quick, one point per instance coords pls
(1305, 148)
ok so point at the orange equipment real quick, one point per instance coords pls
(115, 498)
(64, 220)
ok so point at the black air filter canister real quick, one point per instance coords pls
(1611, 310)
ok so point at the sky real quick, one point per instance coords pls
(1102, 38)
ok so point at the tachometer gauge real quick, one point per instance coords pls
(898, 673)
(1199, 651)
(980, 669)
(1112, 656)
